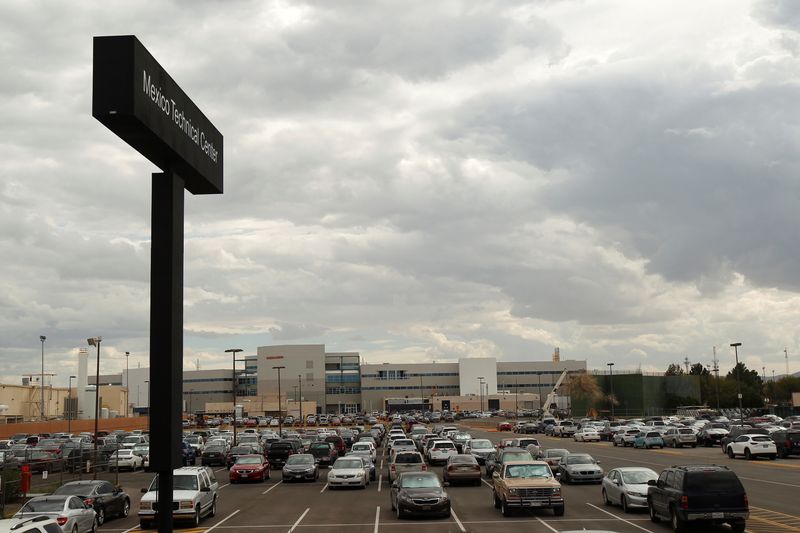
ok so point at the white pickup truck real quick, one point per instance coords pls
(194, 496)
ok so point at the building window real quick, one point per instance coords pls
(310, 376)
(309, 363)
(392, 374)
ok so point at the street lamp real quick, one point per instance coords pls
(69, 405)
(735, 346)
(233, 352)
(42, 338)
(127, 383)
(611, 386)
(421, 396)
(95, 341)
(280, 417)
(480, 391)
(300, 387)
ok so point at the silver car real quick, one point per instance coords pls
(627, 486)
(71, 513)
(579, 468)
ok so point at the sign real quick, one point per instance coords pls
(133, 96)
(274, 357)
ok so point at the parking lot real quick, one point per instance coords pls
(773, 489)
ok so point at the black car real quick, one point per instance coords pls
(787, 442)
(698, 494)
(419, 493)
(279, 453)
(106, 499)
(300, 467)
(213, 455)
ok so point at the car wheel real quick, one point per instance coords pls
(496, 500)
(605, 498)
(399, 512)
(75, 528)
(624, 503)
(653, 516)
(144, 525)
(95, 525)
(730, 453)
(678, 525)
(747, 454)
(615, 443)
(738, 527)
(213, 511)
(196, 519)
(558, 511)
(504, 508)
(772, 457)
(126, 507)
(101, 515)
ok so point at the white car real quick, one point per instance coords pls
(348, 471)
(440, 451)
(365, 446)
(586, 434)
(751, 446)
(70, 512)
(125, 458)
(194, 496)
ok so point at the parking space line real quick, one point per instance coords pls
(455, 517)
(323, 488)
(134, 528)
(545, 524)
(618, 518)
(221, 521)
(377, 518)
(272, 487)
(380, 481)
(223, 486)
(300, 519)
(487, 483)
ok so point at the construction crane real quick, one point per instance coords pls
(551, 397)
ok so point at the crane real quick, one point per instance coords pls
(551, 397)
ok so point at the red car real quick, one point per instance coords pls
(249, 468)
(505, 426)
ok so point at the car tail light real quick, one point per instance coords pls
(476, 467)
(394, 468)
(684, 502)
(62, 520)
(88, 501)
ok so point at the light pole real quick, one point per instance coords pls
(480, 391)
(69, 405)
(280, 417)
(41, 382)
(300, 387)
(95, 341)
(341, 382)
(516, 397)
(421, 396)
(735, 346)
(539, 389)
(611, 386)
(233, 352)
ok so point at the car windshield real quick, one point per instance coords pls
(638, 477)
(467, 459)
(132, 439)
(248, 461)
(362, 447)
(419, 482)
(46, 505)
(480, 445)
(47, 442)
(300, 460)
(180, 482)
(579, 460)
(348, 463)
(685, 431)
(528, 471)
(443, 445)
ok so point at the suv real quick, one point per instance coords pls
(787, 442)
(698, 493)
(520, 484)
(679, 437)
(194, 496)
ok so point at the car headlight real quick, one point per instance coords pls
(187, 504)
(145, 506)
(512, 492)
(556, 491)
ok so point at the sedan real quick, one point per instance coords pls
(579, 467)
(419, 493)
(586, 434)
(300, 467)
(68, 511)
(462, 468)
(125, 458)
(102, 496)
(214, 455)
(553, 456)
(627, 486)
(348, 472)
(249, 468)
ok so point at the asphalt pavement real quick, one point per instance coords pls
(773, 489)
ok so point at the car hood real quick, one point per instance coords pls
(347, 471)
(177, 495)
(423, 493)
(582, 467)
(245, 467)
(299, 468)
(531, 482)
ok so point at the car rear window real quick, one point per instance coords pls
(686, 431)
(713, 481)
(408, 458)
(283, 446)
(441, 445)
(762, 438)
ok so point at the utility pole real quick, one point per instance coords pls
(786, 356)
(127, 384)
(280, 417)
(480, 391)
(735, 346)
(421, 396)
(41, 382)
(300, 387)
(611, 387)
(516, 397)
(716, 374)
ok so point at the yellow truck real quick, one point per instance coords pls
(526, 484)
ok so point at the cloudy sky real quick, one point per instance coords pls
(418, 180)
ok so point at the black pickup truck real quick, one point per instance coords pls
(279, 452)
(698, 494)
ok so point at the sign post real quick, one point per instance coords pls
(139, 101)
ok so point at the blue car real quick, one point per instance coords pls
(189, 453)
(648, 439)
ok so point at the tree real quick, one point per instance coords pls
(698, 369)
(674, 369)
(582, 386)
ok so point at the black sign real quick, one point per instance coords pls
(136, 99)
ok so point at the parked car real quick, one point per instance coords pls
(580, 468)
(586, 434)
(737, 431)
(479, 448)
(300, 467)
(648, 439)
(787, 442)
(712, 434)
(106, 499)
(68, 511)
(323, 453)
(194, 496)
(238, 451)
(125, 458)
(419, 493)
(405, 461)
(679, 437)
(751, 446)
(349, 471)
(252, 467)
(698, 494)
(526, 484)
(627, 486)
(495, 462)
(553, 456)
(213, 455)
(625, 437)
(462, 468)
(440, 451)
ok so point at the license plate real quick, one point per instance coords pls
(765, 445)
(717, 515)
(245, 475)
(298, 475)
(426, 507)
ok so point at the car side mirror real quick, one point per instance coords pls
(205, 489)
(496, 475)
(144, 491)
(616, 482)
(446, 484)
(558, 475)
(651, 482)
(597, 462)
